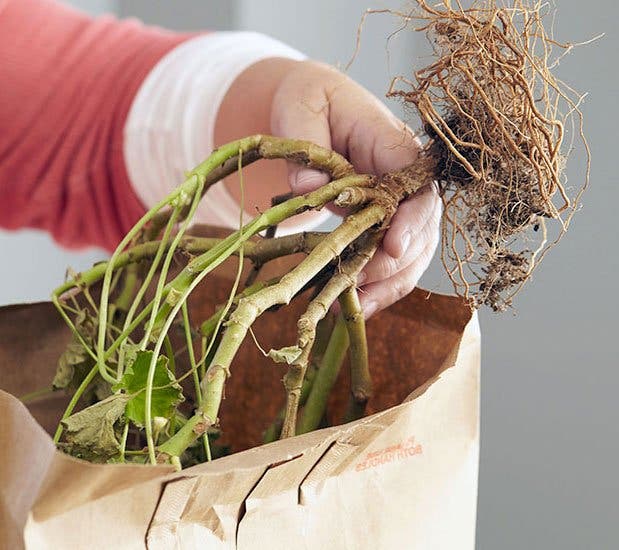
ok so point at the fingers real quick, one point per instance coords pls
(381, 294)
(301, 111)
(318, 103)
(365, 131)
(415, 224)
(387, 280)
(410, 219)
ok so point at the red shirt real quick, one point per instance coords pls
(66, 84)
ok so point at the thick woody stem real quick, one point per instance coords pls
(200, 266)
(261, 251)
(353, 197)
(282, 293)
(208, 327)
(258, 147)
(269, 234)
(305, 152)
(323, 333)
(194, 428)
(251, 307)
(316, 406)
(360, 378)
(228, 167)
(316, 311)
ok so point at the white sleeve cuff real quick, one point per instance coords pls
(170, 126)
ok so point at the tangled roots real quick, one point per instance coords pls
(496, 121)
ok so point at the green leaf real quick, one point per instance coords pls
(90, 433)
(167, 393)
(289, 354)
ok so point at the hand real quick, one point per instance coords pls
(314, 101)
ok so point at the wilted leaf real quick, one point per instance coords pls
(166, 392)
(90, 433)
(289, 354)
(73, 355)
(131, 352)
(75, 362)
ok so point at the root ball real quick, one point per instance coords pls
(496, 120)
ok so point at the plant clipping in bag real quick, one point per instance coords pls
(147, 379)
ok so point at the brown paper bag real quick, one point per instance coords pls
(404, 477)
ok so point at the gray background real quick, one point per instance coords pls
(550, 371)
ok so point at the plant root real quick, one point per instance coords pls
(496, 119)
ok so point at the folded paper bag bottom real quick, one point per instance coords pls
(405, 477)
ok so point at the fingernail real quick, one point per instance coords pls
(294, 183)
(406, 240)
(307, 179)
(361, 278)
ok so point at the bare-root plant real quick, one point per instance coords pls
(495, 119)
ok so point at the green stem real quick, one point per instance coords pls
(203, 264)
(307, 324)
(194, 370)
(179, 299)
(252, 148)
(208, 327)
(190, 351)
(216, 174)
(74, 399)
(316, 405)
(273, 432)
(261, 251)
(282, 293)
(166, 265)
(195, 427)
(360, 378)
(323, 332)
(145, 285)
(125, 298)
(178, 302)
(169, 351)
(123, 441)
(202, 363)
(72, 326)
(164, 333)
(31, 396)
(124, 335)
(186, 188)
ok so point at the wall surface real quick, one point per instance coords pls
(94, 7)
(549, 433)
(182, 14)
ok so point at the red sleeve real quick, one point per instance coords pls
(66, 85)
